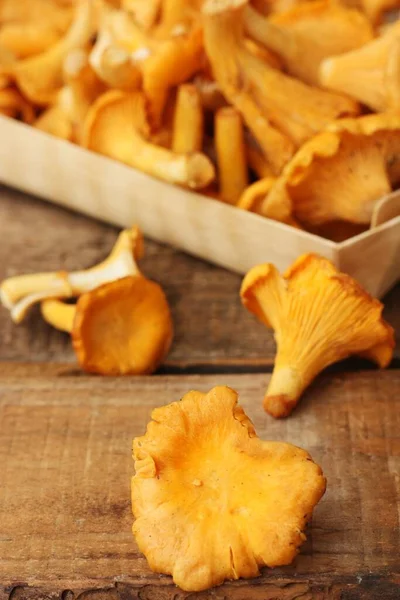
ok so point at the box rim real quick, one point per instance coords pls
(271, 222)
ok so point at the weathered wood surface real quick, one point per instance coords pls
(211, 325)
(65, 465)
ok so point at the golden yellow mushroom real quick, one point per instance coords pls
(123, 327)
(110, 58)
(81, 90)
(231, 154)
(255, 194)
(308, 33)
(117, 127)
(320, 316)
(340, 174)
(188, 125)
(65, 118)
(174, 61)
(213, 501)
(21, 292)
(281, 112)
(370, 74)
(29, 27)
(40, 77)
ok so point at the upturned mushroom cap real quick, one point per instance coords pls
(320, 316)
(123, 327)
(220, 505)
(339, 174)
(117, 127)
(370, 74)
(308, 33)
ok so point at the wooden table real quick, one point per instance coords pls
(65, 438)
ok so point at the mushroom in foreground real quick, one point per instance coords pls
(260, 92)
(308, 33)
(123, 327)
(220, 505)
(21, 292)
(370, 74)
(320, 316)
(117, 126)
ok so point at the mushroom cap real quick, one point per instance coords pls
(370, 74)
(112, 121)
(116, 126)
(212, 501)
(122, 327)
(340, 173)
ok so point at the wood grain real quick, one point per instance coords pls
(212, 328)
(65, 464)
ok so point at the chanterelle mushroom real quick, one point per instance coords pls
(371, 74)
(21, 292)
(40, 77)
(117, 127)
(339, 174)
(31, 27)
(122, 327)
(212, 501)
(320, 316)
(308, 33)
(261, 93)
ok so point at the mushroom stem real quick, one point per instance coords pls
(19, 293)
(188, 120)
(231, 154)
(15, 288)
(270, 35)
(284, 390)
(59, 314)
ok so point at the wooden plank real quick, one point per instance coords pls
(65, 464)
(211, 325)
